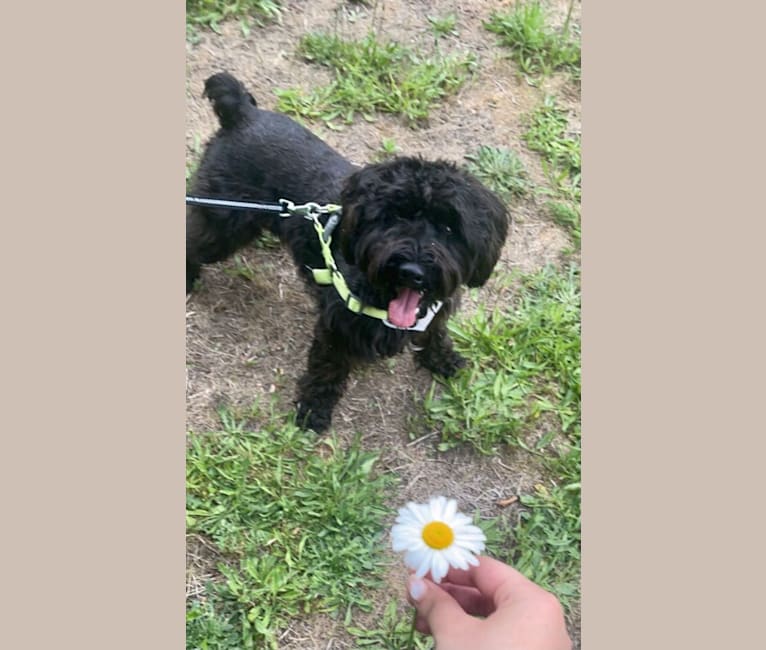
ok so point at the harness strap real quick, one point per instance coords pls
(332, 276)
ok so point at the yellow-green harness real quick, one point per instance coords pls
(332, 276)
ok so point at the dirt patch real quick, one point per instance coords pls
(247, 333)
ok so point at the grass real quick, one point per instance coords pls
(567, 215)
(546, 543)
(444, 26)
(298, 519)
(209, 13)
(535, 46)
(392, 631)
(372, 77)
(524, 361)
(388, 148)
(548, 134)
(501, 170)
(240, 268)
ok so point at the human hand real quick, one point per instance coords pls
(520, 615)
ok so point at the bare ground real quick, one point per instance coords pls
(247, 339)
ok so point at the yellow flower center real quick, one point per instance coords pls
(438, 535)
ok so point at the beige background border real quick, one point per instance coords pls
(673, 330)
(92, 344)
(93, 325)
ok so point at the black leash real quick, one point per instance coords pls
(283, 207)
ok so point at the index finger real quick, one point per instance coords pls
(494, 579)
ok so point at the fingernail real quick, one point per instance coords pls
(417, 588)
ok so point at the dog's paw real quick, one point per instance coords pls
(310, 417)
(446, 363)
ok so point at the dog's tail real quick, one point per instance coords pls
(231, 102)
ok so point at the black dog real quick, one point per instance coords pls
(411, 232)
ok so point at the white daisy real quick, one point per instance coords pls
(435, 537)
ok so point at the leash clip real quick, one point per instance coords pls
(330, 226)
(307, 210)
(287, 207)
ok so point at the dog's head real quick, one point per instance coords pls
(418, 230)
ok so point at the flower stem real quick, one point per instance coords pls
(411, 639)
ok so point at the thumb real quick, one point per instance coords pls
(440, 611)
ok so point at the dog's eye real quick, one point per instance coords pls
(447, 229)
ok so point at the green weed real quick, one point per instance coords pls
(372, 77)
(387, 149)
(392, 633)
(268, 241)
(524, 361)
(534, 45)
(299, 520)
(501, 170)
(445, 26)
(208, 628)
(567, 215)
(241, 268)
(546, 543)
(548, 134)
(210, 13)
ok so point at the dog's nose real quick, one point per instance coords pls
(412, 275)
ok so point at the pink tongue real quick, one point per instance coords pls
(403, 310)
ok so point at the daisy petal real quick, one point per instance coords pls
(470, 537)
(439, 567)
(461, 520)
(417, 512)
(450, 510)
(413, 559)
(424, 565)
(472, 547)
(402, 544)
(469, 532)
(456, 557)
(406, 531)
(409, 520)
(406, 537)
(436, 508)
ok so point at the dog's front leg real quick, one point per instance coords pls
(323, 383)
(434, 350)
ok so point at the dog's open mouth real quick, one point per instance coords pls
(403, 310)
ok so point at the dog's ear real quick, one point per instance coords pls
(484, 220)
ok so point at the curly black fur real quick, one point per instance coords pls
(408, 227)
